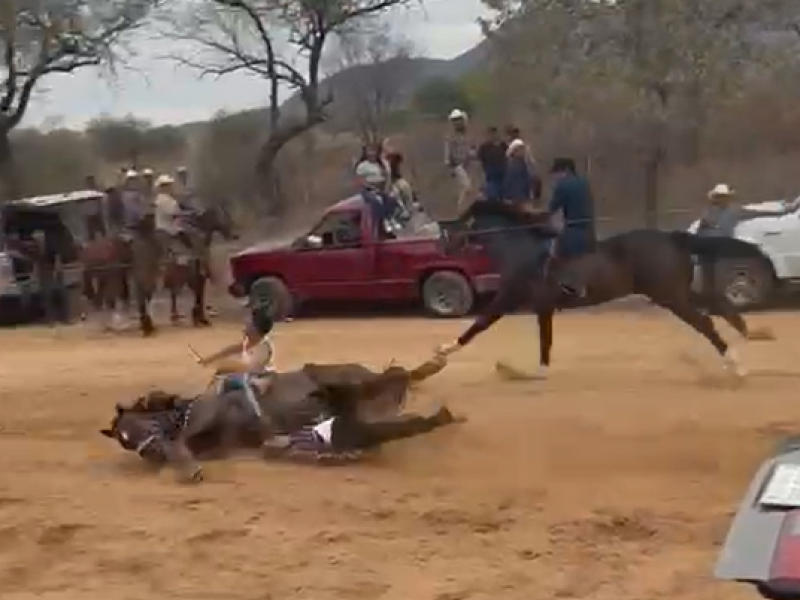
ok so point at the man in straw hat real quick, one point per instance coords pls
(169, 214)
(458, 154)
(719, 220)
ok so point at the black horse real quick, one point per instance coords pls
(653, 263)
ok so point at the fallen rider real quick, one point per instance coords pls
(345, 437)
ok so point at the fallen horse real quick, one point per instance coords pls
(321, 412)
(763, 546)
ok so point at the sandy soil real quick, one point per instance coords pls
(614, 479)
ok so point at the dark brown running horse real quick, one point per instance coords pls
(652, 263)
(167, 429)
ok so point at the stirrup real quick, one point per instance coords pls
(577, 292)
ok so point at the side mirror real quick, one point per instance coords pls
(107, 432)
(313, 241)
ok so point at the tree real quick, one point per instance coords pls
(39, 38)
(438, 97)
(376, 72)
(665, 63)
(118, 140)
(282, 42)
(134, 141)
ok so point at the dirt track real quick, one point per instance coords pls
(615, 479)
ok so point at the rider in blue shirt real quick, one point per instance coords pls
(572, 197)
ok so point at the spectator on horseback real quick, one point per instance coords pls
(458, 154)
(184, 193)
(133, 201)
(572, 198)
(95, 212)
(168, 214)
(149, 186)
(492, 156)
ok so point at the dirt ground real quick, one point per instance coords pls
(614, 479)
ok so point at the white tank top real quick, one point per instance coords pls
(258, 357)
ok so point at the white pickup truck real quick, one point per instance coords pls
(774, 227)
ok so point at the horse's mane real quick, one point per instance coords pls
(155, 401)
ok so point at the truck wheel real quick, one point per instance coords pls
(447, 294)
(274, 293)
(746, 283)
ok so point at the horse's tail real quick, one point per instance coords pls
(715, 248)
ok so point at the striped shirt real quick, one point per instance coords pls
(457, 150)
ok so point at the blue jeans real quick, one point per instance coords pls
(575, 241)
(376, 205)
(493, 189)
(241, 381)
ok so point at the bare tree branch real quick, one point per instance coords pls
(281, 41)
(375, 76)
(40, 38)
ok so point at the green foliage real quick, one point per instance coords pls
(481, 92)
(438, 97)
(225, 161)
(51, 162)
(129, 140)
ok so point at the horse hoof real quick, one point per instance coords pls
(203, 322)
(761, 335)
(512, 373)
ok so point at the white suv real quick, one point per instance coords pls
(774, 227)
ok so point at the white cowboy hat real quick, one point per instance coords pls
(181, 169)
(164, 180)
(147, 172)
(721, 190)
(131, 174)
(515, 143)
(457, 114)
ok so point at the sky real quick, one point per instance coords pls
(155, 89)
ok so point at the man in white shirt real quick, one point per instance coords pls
(168, 214)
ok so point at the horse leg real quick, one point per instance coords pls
(702, 323)
(198, 286)
(125, 292)
(545, 321)
(143, 297)
(722, 307)
(175, 315)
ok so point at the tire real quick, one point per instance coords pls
(447, 294)
(273, 292)
(746, 283)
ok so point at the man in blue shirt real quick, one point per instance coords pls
(572, 197)
(492, 156)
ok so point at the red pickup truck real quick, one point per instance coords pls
(344, 259)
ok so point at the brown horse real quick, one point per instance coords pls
(652, 263)
(167, 429)
(190, 265)
(141, 259)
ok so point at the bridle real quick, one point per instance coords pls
(184, 414)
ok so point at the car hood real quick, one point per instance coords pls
(770, 206)
(272, 246)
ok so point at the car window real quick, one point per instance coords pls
(339, 229)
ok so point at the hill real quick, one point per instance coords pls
(406, 76)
